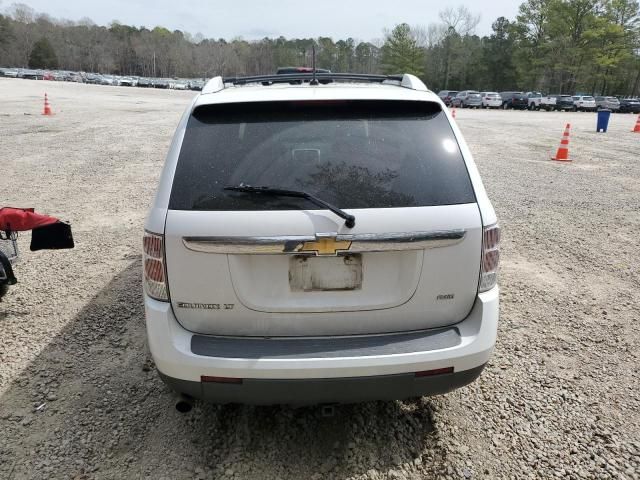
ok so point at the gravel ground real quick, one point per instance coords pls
(79, 397)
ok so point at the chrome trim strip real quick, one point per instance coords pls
(343, 243)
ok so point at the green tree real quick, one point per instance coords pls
(5, 30)
(532, 48)
(498, 57)
(43, 55)
(401, 52)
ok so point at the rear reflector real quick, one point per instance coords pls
(208, 379)
(436, 371)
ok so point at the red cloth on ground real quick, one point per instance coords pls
(22, 219)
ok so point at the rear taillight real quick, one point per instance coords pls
(155, 284)
(490, 257)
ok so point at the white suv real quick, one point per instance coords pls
(319, 240)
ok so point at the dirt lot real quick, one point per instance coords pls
(78, 394)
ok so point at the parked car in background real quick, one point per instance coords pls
(32, 74)
(294, 70)
(127, 82)
(491, 100)
(517, 100)
(196, 85)
(467, 99)
(93, 78)
(609, 103)
(161, 83)
(447, 96)
(74, 77)
(584, 103)
(538, 101)
(144, 82)
(533, 100)
(629, 105)
(563, 102)
(9, 72)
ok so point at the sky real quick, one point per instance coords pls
(254, 19)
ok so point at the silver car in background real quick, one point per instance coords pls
(468, 98)
(609, 103)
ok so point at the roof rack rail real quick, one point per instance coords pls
(322, 78)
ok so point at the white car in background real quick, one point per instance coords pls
(128, 82)
(584, 103)
(10, 72)
(491, 100)
(317, 241)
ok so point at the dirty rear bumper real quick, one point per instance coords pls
(324, 390)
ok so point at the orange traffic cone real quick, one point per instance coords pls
(47, 107)
(562, 155)
(637, 127)
(453, 113)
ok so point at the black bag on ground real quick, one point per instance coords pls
(54, 236)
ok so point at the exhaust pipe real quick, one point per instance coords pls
(328, 410)
(184, 403)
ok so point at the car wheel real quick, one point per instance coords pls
(3, 290)
(504, 105)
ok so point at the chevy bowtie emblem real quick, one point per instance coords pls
(326, 246)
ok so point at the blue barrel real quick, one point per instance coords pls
(603, 120)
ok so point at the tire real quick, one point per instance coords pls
(3, 290)
(505, 106)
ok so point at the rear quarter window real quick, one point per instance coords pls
(355, 154)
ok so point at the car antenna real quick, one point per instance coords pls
(314, 80)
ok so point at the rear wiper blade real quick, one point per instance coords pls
(350, 220)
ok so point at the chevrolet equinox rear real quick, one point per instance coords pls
(319, 239)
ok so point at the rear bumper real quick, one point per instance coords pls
(324, 390)
(338, 369)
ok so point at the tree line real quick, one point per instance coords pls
(554, 46)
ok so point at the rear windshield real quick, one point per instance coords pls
(355, 154)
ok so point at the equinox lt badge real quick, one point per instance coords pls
(206, 306)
